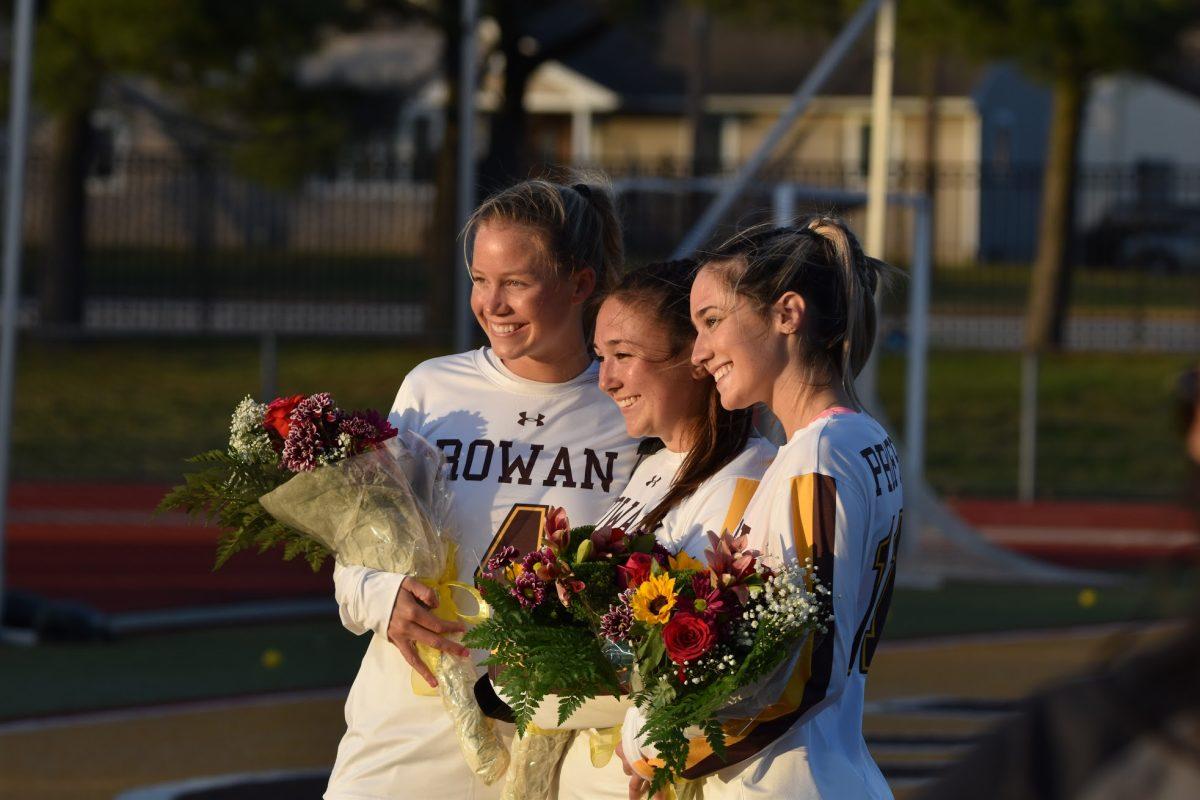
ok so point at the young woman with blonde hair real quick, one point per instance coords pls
(523, 426)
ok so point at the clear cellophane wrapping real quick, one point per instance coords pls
(390, 509)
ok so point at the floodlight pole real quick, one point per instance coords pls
(878, 167)
(800, 100)
(463, 319)
(18, 127)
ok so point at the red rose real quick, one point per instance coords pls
(278, 418)
(688, 637)
(634, 571)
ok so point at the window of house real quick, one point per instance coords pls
(108, 147)
(864, 148)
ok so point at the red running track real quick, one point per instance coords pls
(103, 545)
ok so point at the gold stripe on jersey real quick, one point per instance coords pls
(812, 504)
(522, 528)
(743, 490)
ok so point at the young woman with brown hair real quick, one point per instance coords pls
(786, 317)
(705, 471)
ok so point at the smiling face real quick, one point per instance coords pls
(533, 319)
(659, 393)
(735, 343)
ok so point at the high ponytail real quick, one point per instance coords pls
(575, 223)
(821, 260)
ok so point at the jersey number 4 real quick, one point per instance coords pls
(866, 638)
(522, 528)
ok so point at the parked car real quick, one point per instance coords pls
(1161, 237)
(1167, 251)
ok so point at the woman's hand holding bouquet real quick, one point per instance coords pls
(305, 474)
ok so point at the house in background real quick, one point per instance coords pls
(1137, 151)
(625, 100)
(621, 102)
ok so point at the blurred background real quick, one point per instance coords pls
(263, 197)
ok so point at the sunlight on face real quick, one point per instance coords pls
(532, 318)
(659, 393)
(733, 342)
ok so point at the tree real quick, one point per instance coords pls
(230, 63)
(1065, 43)
(524, 48)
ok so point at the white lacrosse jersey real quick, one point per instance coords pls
(833, 494)
(513, 448)
(716, 505)
(705, 509)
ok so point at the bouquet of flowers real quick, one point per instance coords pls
(303, 473)
(268, 445)
(703, 635)
(543, 634)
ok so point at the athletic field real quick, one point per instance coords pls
(177, 701)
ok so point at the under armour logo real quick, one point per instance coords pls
(539, 420)
(654, 481)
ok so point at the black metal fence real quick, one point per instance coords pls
(160, 227)
(174, 248)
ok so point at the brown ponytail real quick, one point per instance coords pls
(821, 260)
(661, 291)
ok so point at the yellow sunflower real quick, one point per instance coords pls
(683, 561)
(654, 599)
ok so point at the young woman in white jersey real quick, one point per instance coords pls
(702, 477)
(523, 427)
(786, 317)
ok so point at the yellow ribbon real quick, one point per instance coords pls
(447, 609)
(602, 743)
(681, 789)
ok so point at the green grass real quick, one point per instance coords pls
(1106, 424)
(1004, 289)
(134, 410)
(190, 665)
(220, 662)
(960, 607)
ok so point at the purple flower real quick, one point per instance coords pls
(545, 564)
(528, 590)
(500, 560)
(365, 428)
(316, 408)
(615, 624)
(302, 447)
(305, 442)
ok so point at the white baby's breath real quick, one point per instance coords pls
(248, 440)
